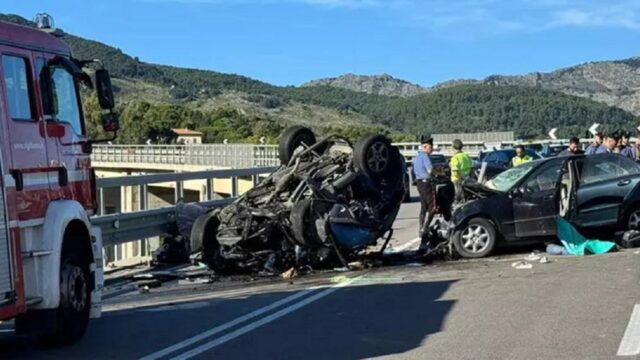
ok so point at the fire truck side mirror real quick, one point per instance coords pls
(104, 90)
(48, 102)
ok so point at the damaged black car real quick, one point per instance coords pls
(598, 193)
(327, 203)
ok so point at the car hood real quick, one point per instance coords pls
(477, 190)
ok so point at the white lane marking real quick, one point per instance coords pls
(265, 320)
(225, 326)
(405, 246)
(630, 344)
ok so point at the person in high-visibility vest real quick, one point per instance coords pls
(461, 166)
(521, 156)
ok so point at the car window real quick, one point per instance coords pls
(438, 159)
(66, 99)
(602, 168)
(505, 180)
(543, 180)
(16, 83)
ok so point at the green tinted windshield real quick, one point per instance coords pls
(504, 181)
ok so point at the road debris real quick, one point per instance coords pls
(522, 265)
(290, 274)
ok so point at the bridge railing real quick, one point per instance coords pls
(221, 155)
(250, 155)
(135, 226)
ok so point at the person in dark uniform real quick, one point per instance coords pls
(423, 168)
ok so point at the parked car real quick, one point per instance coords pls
(499, 161)
(598, 192)
(552, 150)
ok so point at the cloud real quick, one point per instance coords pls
(614, 15)
(472, 19)
(477, 18)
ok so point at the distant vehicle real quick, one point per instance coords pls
(552, 150)
(599, 192)
(499, 161)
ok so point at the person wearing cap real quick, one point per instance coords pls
(461, 165)
(593, 147)
(423, 170)
(609, 144)
(573, 149)
(521, 156)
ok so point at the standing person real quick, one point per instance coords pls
(595, 145)
(461, 165)
(422, 168)
(573, 149)
(521, 156)
(609, 144)
(629, 150)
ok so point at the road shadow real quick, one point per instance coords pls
(354, 323)
(359, 321)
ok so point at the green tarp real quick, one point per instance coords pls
(576, 244)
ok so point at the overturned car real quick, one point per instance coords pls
(326, 203)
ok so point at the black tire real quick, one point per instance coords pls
(375, 156)
(205, 227)
(291, 139)
(302, 225)
(469, 243)
(632, 215)
(206, 232)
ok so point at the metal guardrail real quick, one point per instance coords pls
(248, 155)
(130, 226)
(223, 155)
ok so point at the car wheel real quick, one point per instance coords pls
(303, 224)
(374, 156)
(204, 233)
(633, 220)
(293, 140)
(476, 239)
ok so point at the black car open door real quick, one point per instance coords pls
(536, 202)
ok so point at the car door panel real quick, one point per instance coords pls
(600, 202)
(535, 204)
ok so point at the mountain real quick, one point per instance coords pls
(615, 83)
(154, 98)
(375, 84)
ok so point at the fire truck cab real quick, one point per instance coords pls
(51, 273)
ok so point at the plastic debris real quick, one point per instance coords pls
(522, 265)
(532, 257)
(553, 249)
(290, 274)
(576, 244)
(544, 260)
(196, 281)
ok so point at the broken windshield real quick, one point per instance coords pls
(505, 181)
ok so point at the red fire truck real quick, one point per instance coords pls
(51, 271)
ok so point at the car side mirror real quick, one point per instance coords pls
(104, 90)
(517, 192)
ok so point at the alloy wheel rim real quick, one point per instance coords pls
(475, 239)
(378, 157)
(634, 220)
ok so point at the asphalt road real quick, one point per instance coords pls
(570, 308)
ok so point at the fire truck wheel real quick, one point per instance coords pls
(72, 315)
(68, 322)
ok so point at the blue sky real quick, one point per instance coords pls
(288, 42)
